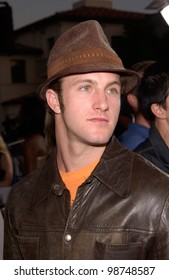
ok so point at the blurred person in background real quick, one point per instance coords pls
(32, 125)
(138, 128)
(154, 100)
(125, 117)
(6, 165)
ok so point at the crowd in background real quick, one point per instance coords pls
(25, 156)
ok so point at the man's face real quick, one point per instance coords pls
(91, 107)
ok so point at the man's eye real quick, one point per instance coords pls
(113, 91)
(86, 88)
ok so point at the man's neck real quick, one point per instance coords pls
(139, 119)
(71, 158)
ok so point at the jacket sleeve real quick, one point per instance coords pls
(160, 250)
(11, 246)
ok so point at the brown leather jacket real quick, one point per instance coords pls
(120, 212)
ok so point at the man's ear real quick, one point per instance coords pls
(53, 101)
(158, 111)
(132, 100)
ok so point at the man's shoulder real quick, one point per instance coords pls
(149, 172)
(135, 166)
(24, 187)
(38, 181)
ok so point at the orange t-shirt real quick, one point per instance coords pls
(75, 178)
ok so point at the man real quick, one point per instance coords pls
(154, 100)
(138, 129)
(88, 201)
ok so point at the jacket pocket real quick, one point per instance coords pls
(29, 247)
(106, 251)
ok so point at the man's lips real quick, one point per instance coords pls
(98, 119)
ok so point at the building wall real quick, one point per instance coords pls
(9, 90)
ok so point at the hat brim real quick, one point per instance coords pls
(131, 80)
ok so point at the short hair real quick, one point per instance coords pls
(154, 88)
(140, 67)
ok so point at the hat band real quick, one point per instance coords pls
(94, 55)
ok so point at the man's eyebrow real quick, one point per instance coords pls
(95, 82)
(114, 83)
(84, 81)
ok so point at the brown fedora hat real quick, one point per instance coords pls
(84, 48)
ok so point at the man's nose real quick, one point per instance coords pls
(100, 101)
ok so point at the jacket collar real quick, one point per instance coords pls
(113, 170)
